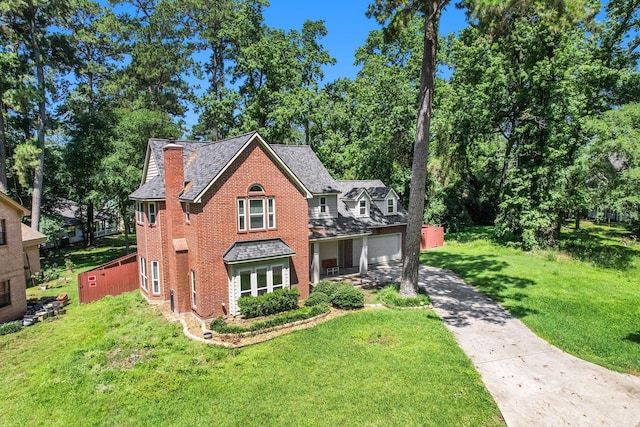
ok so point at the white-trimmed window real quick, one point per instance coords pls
(271, 212)
(151, 208)
(155, 277)
(187, 213)
(242, 221)
(363, 207)
(143, 274)
(323, 204)
(391, 205)
(193, 288)
(140, 212)
(245, 283)
(277, 277)
(256, 214)
(262, 278)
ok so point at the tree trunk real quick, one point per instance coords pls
(91, 238)
(409, 280)
(38, 179)
(4, 187)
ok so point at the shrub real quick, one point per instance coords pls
(326, 287)
(347, 297)
(317, 298)
(390, 296)
(341, 294)
(9, 328)
(219, 325)
(268, 304)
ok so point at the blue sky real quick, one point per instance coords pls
(347, 26)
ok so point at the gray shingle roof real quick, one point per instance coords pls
(378, 193)
(307, 167)
(251, 250)
(152, 190)
(202, 162)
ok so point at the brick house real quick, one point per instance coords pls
(20, 258)
(216, 221)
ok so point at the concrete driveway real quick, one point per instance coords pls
(533, 382)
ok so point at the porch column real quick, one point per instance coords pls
(316, 263)
(364, 257)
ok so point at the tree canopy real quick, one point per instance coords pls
(532, 118)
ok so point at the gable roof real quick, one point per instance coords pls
(307, 167)
(348, 225)
(13, 204)
(31, 236)
(204, 162)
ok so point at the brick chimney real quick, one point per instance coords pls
(173, 185)
(176, 249)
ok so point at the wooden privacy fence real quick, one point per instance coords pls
(112, 278)
(432, 237)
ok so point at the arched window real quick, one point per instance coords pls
(256, 188)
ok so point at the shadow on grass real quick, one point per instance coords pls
(633, 337)
(484, 272)
(602, 246)
(106, 249)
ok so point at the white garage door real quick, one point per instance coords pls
(385, 248)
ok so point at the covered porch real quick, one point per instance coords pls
(342, 256)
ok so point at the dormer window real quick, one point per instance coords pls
(391, 206)
(323, 204)
(363, 208)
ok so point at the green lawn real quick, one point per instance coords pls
(118, 362)
(106, 249)
(583, 297)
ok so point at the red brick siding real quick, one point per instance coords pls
(213, 227)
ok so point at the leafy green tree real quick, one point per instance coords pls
(35, 30)
(614, 154)
(397, 14)
(120, 169)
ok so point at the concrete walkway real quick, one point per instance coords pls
(533, 382)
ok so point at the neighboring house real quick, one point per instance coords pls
(17, 242)
(105, 223)
(216, 221)
(31, 241)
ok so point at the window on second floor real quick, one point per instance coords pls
(187, 213)
(323, 204)
(271, 212)
(391, 205)
(256, 213)
(3, 232)
(363, 208)
(152, 213)
(140, 212)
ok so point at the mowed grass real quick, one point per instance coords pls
(118, 362)
(584, 297)
(106, 249)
